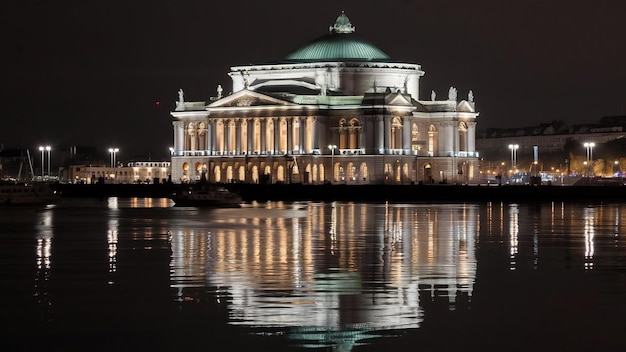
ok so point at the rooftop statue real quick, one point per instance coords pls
(219, 91)
(246, 79)
(470, 96)
(181, 96)
(433, 95)
(452, 94)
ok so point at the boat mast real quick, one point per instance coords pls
(30, 163)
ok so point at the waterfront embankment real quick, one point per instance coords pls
(366, 193)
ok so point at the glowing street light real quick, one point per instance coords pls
(513, 148)
(43, 166)
(589, 147)
(113, 151)
(332, 148)
(48, 149)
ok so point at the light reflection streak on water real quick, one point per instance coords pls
(112, 238)
(386, 264)
(514, 229)
(589, 223)
(332, 266)
(617, 226)
(44, 236)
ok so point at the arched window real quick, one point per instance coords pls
(255, 174)
(217, 173)
(229, 174)
(363, 173)
(191, 137)
(354, 132)
(352, 174)
(432, 140)
(198, 168)
(280, 173)
(396, 133)
(202, 136)
(185, 172)
(343, 134)
(462, 137)
(415, 138)
(242, 173)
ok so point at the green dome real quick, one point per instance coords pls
(339, 44)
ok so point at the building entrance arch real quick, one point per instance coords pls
(428, 173)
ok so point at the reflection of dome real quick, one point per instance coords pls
(339, 44)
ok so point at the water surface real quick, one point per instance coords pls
(129, 274)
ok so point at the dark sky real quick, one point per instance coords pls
(90, 72)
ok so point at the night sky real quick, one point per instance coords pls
(90, 73)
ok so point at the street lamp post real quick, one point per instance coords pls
(513, 148)
(43, 166)
(589, 147)
(48, 149)
(332, 148)
(113, 151)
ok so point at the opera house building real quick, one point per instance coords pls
(338, 110)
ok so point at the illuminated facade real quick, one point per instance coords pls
(337, 109)
(134, 172)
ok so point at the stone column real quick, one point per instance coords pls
(387, 130)
(289, 127)
(211, 137)
(250, 130)
(179, 136)
(238, 136)
(301, 142)
(380, 134)
(406, 135)
(263, 134)
(276, 135)
(314, 134)
(471, 137)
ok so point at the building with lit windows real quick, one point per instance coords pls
(133, 172)
(337, 109)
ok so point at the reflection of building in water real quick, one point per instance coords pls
(112, 234)
(589, 216)
(336, 267)
(44, 236)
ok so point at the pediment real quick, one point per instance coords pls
(245, 98)
(398, 99)
(465, 106)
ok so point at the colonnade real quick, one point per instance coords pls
(301, 135)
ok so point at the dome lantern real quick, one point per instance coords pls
(342, 25)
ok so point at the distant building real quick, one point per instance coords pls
(338, 110)
(135, 172)
(551, 137)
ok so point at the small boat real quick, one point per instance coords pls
(206, 196)
(25, 193)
